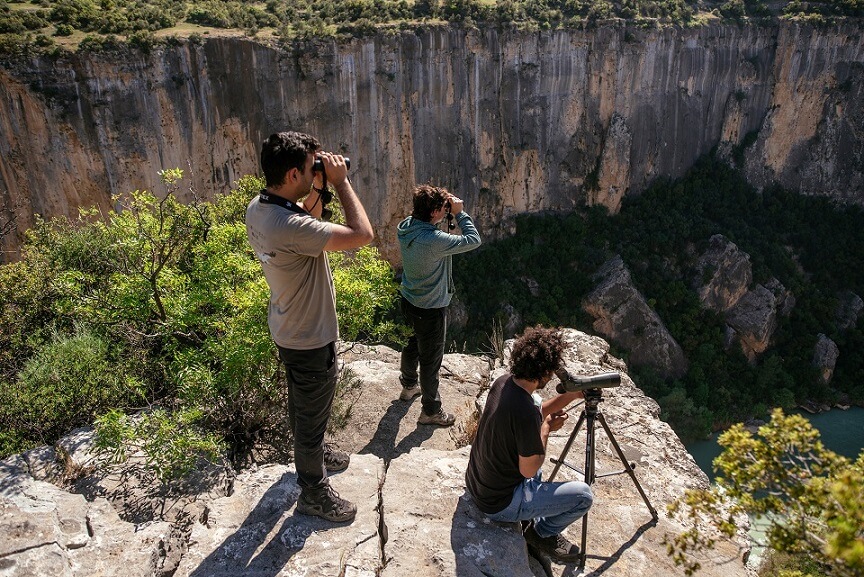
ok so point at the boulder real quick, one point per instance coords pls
(754, 319)
(723, 274)
(622, 314)
(825, 356)
(848, 311)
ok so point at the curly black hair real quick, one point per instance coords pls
(536, 353)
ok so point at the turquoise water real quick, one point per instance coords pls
(841, 431)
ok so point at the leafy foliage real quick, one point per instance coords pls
(810, 497)
(177, 292)
(135, 20)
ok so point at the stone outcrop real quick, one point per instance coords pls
(414, 517)
(722, 278)
(511, 121)
(754, 319)
(825, 356)
(49, 531)
(723, 274)
(849, 310)
(622, 315)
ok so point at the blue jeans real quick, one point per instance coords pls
(552, 506)
(425, 348)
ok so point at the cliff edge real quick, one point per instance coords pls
(414, 517)
(511, 121)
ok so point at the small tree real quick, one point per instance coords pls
(810, 496)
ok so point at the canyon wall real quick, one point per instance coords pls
(510, 121)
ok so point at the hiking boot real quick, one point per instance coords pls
(327, 504)
(556, 547)
(440, 418)
(335, 460)
(409, 393)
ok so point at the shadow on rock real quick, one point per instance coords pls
(383, 443)
(257, 548)
(485, 548)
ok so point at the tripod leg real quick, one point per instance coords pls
(627, 466)
(569, 444)
(589, 479)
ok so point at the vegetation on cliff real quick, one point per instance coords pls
(161, 307)
(45, 25)
(808, 498)
(815, 248)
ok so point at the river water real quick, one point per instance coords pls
(841, 431)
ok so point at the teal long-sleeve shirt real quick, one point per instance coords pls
(427, 259)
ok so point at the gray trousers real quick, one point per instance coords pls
(311, 377)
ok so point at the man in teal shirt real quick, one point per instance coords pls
(427, 287)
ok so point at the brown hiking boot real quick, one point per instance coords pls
(334, 459)
(327, 504)
(409, 393)
(440, 418)
(556, 547)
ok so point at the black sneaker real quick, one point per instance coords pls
(334, 459)
(556, 547)
(327, 504)
(440, 418)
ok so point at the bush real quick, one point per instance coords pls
(63, 386)
(177, 291)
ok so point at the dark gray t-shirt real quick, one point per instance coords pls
(290, 247)
(509, 427)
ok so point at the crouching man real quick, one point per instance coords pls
(503, 473)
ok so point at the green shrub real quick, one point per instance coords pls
(177, 291)
(63, 386)
(171, 443)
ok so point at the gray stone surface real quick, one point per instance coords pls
(825, 355)
(723, 274)
(754, 319)
(414, 518)
(49, 531)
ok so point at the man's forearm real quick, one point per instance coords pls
(355, 215)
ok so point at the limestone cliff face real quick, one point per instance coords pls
(510, 121)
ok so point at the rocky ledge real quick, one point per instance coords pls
(414, 517)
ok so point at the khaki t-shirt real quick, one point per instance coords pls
(290, 247)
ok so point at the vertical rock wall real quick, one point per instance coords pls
(512, 122)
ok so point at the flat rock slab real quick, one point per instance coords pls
(255, 531)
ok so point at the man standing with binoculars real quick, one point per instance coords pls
(427, 288)
(291, 243)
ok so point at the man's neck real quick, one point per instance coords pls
(529, 386)
(285, 192)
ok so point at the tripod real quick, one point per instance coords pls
(590, 414)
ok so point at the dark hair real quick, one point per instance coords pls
(428, 199)
(283, 151)
(536, 353)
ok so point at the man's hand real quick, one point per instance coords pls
(335, 167)
(556, 420)
(456, 204)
